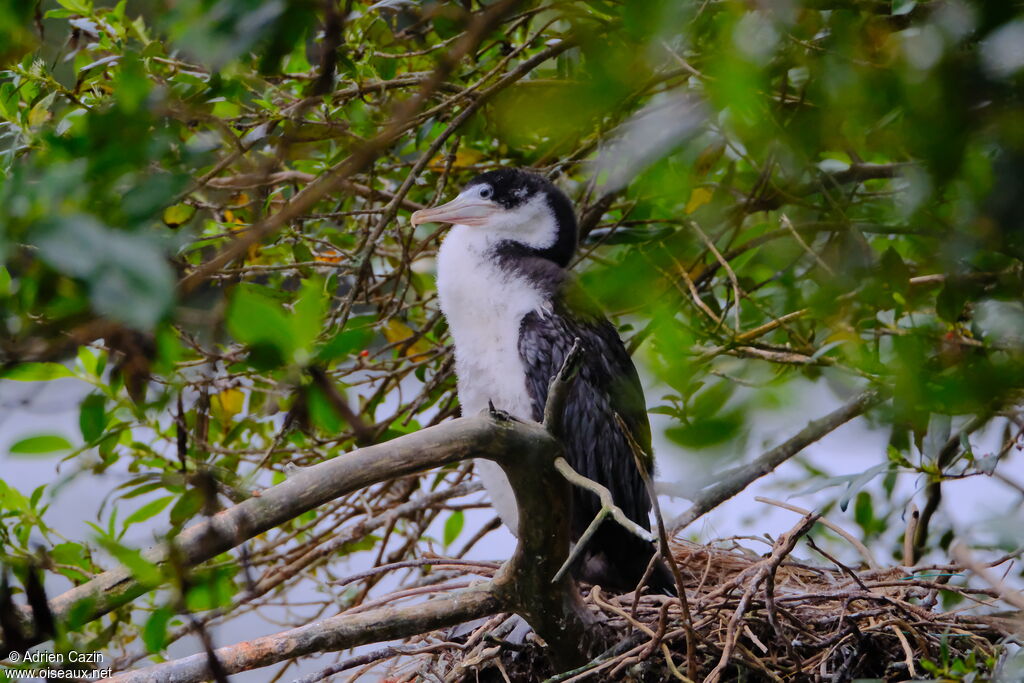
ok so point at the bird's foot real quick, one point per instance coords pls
(499, 415)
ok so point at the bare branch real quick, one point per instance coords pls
(450, 442)
(483, 23)
(735, 480)
(327, 635)
(608, 507)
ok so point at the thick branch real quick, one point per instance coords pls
(327, 635)
(441, 445)
(735, 480)
(524, 585)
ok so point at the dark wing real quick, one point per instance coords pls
(607, 385)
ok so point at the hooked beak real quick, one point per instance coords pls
(462, 210)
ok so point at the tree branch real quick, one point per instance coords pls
(526, 584)
(327, 635)
(608, 507)
(450, 442)
(558, 389)
(735, 480)
(480, 26)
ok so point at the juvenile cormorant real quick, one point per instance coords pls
(514, 311)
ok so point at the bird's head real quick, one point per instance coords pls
(516, 209)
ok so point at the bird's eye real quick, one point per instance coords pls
(486, 192)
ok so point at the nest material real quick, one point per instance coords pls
(754, 618)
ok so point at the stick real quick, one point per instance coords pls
(735, 480)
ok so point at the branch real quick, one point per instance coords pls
(934, 489)
(869, 558)
(249, 180)
(364, 433)
(735, 480)
(327, 635)
(856, 173)
(608, 507)
(524, 584)
(558, 389)
(764, 571)
(450, 442)
(964, 557)
(482, 24)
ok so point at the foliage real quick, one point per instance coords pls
(205, 223)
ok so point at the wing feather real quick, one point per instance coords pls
(607, 385)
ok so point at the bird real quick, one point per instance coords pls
(514, 311)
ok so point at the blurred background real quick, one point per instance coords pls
(783, 204)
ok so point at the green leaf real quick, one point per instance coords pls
(308, 313)
(92, 417)
(949, 304)
(79, 6)
(148, 511)
(259, 321)
(35, 372)
(863, 510)
(355, 337)
(211, 589)
(708, 431)
(128, 275)
(144, 571)
(895, 271)
(40, 113)
(453, 526)
(366, 543)
(89, 359)
(5, 281)
(12, 499)
(71, 555)
(900, 7)
(186, 507)
(322, 412)
(37, 445)
(154, 633)
(177, 215)
(711, 400)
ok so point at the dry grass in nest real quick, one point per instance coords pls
(756, 617)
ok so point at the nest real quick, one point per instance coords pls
(753, 617)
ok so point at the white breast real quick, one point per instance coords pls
(485, 306)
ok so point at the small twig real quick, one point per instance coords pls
(913, 517)
(608, 507)
(625, 647)
(869, 558)
(909, 654)
(419, 562)
(737, 291)
(783, 548)
(842, 567)
(784, 219)
(964, 557)
(595, 595)
(388, 652)
(944, 459)
(640, 458)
